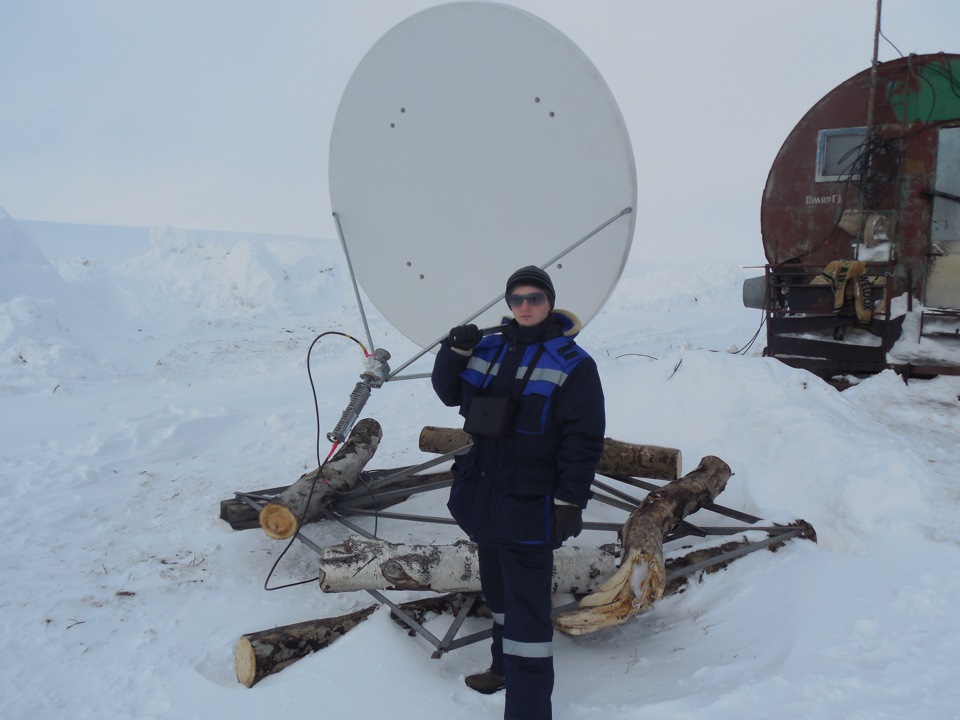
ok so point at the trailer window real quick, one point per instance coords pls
(837, 153)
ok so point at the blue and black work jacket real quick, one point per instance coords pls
(504, 487)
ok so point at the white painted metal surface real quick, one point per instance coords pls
(474, 139)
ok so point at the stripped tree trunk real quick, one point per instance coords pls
(361, 564)
(280, 517)
(618, 458)
(262, 653)
(641, 579)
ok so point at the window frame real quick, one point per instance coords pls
(823, 140)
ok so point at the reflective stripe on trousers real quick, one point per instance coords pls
(525, 649)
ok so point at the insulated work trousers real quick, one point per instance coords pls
(517, 583)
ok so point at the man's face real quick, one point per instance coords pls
(533, 307)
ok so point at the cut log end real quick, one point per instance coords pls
(277, 521)
(246, 663)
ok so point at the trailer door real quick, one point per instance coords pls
(942, 288)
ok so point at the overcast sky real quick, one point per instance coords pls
(216, 114)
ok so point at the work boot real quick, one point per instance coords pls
(486, 682)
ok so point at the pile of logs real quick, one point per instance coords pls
(609, 594)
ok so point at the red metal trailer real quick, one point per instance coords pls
(861, 207)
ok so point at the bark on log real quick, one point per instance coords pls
(262, 653)
(646, 461)
(361, 564)
(618, 458)
(308, 495)
(641, 579)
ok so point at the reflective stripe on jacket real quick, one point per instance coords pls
(553, 366)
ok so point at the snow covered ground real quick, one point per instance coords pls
(146, 375)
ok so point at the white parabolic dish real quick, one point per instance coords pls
(471, 140)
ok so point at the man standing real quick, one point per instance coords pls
(533, 404)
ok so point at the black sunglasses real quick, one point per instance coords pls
(534, 299)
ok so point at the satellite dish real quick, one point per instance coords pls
(474, 139)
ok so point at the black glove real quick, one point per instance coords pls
(567, 522)
(464, 337)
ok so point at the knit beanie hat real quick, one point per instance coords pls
(532, 275)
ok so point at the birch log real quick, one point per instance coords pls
(641, 579)
(269, 651)
(307, 496)
(361, 564)
(618, 458)
(263, 653)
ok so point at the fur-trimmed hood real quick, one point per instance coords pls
(569, 323)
